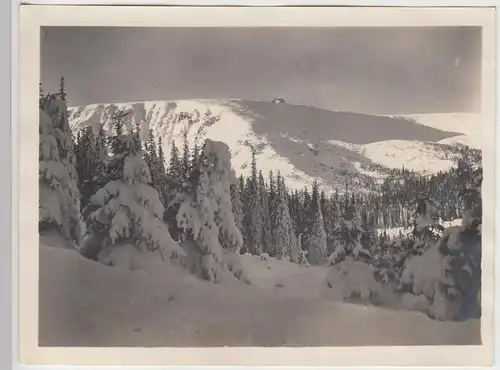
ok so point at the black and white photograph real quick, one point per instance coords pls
(260, 186)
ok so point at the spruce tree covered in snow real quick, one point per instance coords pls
(163, 177)
(62, 89)
(272, 190)
(285, 243)
(155, 160)
(461, 251)
(295, 210)
(42, 97)
(174, 166)
(447, 275)
(174, 185)
(395, 253)
(267, 238)
(331, 223)
(244, 204)
(91, 162)
(274, 214)
(59, 205)
(136, 133)
(186, 160)
(205, 214)
(237, 205)
(306, 221)
(128, 211)
(349, 235)
(150, 149)
(161, 155)
(426, 226)
(195, 155)
(119, 144)
(253, 221)
(317, 247)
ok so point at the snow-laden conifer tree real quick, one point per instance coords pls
(205, 214)
(447, 275)
(330, 219)
(186, 161)
(285, 241)
(317, 247)
(237, 205)
(59, 198)
(425, 223)
(91, 161)
(195, 153)
(62, 89)
(156, 165)
(294, 208)
(253, 211)
(348, 235)
(305, 219)
(127, 212)
(174, 185)
(174, 166)
(244, 210)
(318, 241)
(267, 238)
(120, 143)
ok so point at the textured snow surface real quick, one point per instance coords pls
(473, 141)
(469, 124)
(465, 123)
(303, 143)
(413, 155)
(84, 303)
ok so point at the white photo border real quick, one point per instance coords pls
(32, 17)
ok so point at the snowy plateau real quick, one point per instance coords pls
(304, 143)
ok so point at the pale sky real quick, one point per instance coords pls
(372, 70)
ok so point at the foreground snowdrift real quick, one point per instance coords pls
(84, 303)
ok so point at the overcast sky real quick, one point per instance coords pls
(375, 70)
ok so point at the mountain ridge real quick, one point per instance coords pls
(304, 143)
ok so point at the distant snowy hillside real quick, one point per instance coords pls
(465, 123)
(468, 124)
(303, 143)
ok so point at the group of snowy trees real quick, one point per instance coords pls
(263, 209)
(282, 223)
(58, 179)
(445, 275)
(108, 192)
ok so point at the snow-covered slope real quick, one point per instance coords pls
(465, 123)
(413, 155)
(303, 143)
(469, 124)
(87, 304)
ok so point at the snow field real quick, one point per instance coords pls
(84, 303)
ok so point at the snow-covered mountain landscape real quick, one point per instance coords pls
(304, 143)
(313, 207)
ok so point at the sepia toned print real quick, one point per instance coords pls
(263, 187)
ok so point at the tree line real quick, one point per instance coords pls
(273, 218)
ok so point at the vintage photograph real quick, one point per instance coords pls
(240, 190)
(259, 187)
